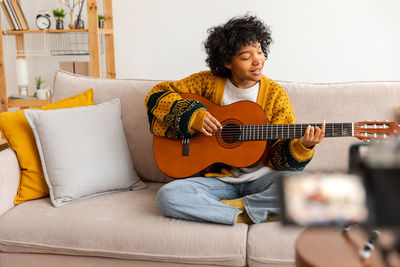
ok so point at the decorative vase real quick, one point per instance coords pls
(79, 24)
(42, 94)
(71, 24)
(59, 24)
(101, 23)
(22, 75)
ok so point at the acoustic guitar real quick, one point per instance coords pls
(243, 138)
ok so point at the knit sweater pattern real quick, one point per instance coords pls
(171, 116)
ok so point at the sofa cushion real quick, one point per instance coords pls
(83, 151)
(133, 114)
(123, 225)
(271, 244)
(341, 102)
(19, 135)
(52, 260)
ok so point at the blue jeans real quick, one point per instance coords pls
(197, 198)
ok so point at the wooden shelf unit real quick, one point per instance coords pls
(94, 51)
(101, 31)
(3, 144)
(8, 32)
(27, 103)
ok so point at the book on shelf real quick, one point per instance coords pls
(20, 14)
(14, 18)
(8, 9)
(7, 15)
(15, 96)
(14, 14)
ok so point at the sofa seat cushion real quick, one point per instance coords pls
(271, 244)
(125, 225)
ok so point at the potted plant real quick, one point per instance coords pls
(39, 82)
(101, 20)
(59, 15)
(41, 93)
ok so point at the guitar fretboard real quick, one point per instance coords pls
(289, 131)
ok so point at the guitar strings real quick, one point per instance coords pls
(331, 131)
(274, 130)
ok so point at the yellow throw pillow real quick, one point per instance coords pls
(16, 130)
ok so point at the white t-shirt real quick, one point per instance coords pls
(234, 94)
(231, 95)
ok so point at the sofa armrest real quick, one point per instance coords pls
(9, 179)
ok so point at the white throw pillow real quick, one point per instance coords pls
(83, 151)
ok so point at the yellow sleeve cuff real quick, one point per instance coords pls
(299, 151)
(196, 122)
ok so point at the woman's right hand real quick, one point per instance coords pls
(210, 125)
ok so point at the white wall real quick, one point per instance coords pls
(314, 40)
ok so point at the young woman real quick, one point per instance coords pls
(236, 53)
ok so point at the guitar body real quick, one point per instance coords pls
(223, 147)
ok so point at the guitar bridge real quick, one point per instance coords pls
(185, 147)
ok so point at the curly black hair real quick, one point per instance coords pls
(225, 41)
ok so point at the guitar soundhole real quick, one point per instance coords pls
(230, 133)
(229, 137)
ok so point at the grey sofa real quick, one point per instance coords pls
(126, 229)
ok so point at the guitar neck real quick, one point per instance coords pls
(290, 131)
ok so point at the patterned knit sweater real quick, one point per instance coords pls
(171, 116)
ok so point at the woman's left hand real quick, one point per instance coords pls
(313, 135)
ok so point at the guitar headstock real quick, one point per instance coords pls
(376, 130)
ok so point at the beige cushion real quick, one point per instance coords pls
(83, 151)
(133, 114)
(341, 102)
(52, 260)
(124, 225)
(271, 244)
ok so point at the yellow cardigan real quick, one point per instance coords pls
(170, 115)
